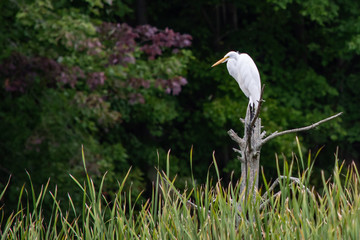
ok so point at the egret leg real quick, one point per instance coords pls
(252, 115)
(252, 111)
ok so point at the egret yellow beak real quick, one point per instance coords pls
(220, 61)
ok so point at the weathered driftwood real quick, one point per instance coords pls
(250, 147)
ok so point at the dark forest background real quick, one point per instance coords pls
(131, 79)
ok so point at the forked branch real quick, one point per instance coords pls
(236, 138)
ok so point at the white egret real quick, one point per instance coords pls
(243, 69)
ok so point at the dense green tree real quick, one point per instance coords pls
(306, 53)
(70, 78)
(86, 72)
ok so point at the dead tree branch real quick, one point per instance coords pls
(236, 138)
(277, 182)
(314, 125)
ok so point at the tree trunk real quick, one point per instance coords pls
(250, 156)
(250, 146)
(249, 150)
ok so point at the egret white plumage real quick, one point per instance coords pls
(243, 69)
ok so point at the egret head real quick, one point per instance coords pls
(229, 55)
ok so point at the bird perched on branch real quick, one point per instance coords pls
(243, 69)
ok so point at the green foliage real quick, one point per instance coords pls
(287, 210)
(320, 11)
(71, 75)
(305, 52)
(69, 78)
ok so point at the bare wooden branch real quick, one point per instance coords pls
(241, 154)
(262, 205)
(237, 151)
(241, 159)
(194, 206)
(236, 138)
(276, 182)
(263, 134)
(314, 125)
(191, 204)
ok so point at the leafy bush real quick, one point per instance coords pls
(74, 79)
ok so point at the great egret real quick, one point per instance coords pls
(243, 69)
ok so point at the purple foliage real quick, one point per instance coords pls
(19, 71)
(156, 40)
(122, 39)
(92, 46)
(136, 98)
(171, 85)
(119, 40)
(176, 84)
(151, 50)
(70, 76)
(147, 31)
(138, 82)
(95, 79)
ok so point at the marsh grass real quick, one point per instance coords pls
(290, 210)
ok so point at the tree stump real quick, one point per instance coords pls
(250, 147)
